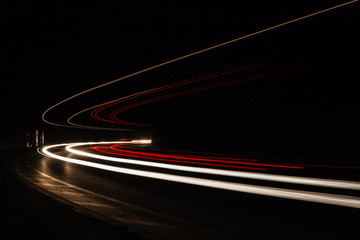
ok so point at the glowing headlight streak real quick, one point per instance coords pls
(141, 141)
(187, 56)
(250, 175)
(246, 188)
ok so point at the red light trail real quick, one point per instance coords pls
(113, 114)
(213, 164)
(189, 159)
(97, 110)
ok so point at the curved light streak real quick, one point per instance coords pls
(229, 173)
(223, 154)
(193, 162)
(184, 82)
(234, 81)
(184, 57)
(182, 159)
(169, 86)
(339, 200)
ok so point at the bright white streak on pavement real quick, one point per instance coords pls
(241, 174)
(268, 191)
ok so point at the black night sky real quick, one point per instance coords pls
(256, 136)
(54, 49)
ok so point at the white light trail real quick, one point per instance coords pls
(229, 173)
(141, 141)
(267, 191)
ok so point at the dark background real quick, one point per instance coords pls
(54, 49)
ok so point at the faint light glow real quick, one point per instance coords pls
(36, 138)
(42, 137)
(141, 141)
(340, 200)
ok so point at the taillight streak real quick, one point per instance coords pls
(258, 76)
(96, 111)
(170, 158)
(175, 161)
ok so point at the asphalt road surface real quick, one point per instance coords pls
(159, 209)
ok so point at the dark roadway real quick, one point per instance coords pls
(53, 50)
(158, 209)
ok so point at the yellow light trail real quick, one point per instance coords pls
(184, 57)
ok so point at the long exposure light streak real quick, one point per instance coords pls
(101, 107)
(340, 200)
(230, 173)
(96, 111)
(234, 81)
(115, 147)
(237, 155)
(205, 171)
(193, 162)
(184, 57)
(170, 158)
